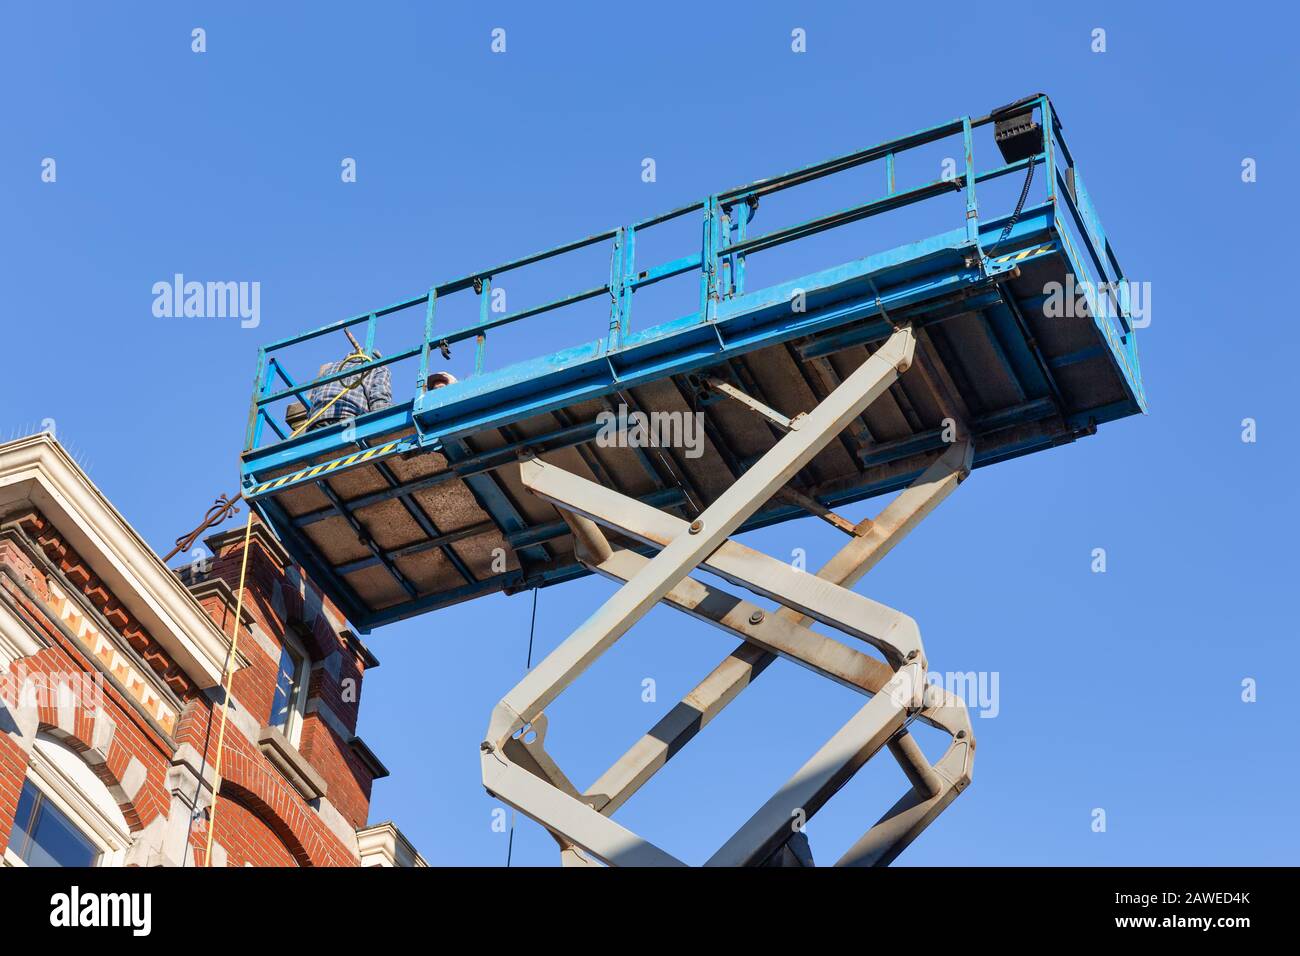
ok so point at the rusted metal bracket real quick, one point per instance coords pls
(815, 507)
(222, 509)
(754, 405)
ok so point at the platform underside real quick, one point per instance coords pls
(437, 515)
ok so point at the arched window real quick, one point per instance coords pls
(66, 815)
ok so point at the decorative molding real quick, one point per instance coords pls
(261, 534)
(239, 716)
(367, 757)
(205, 588)
(183, 775)
(70, 591)
(17, 637)
(382, 844)
(141, 686)
(358, 746)
(317, 706)
(368, 660)
(301, 775)
(36, 471)
(154, 702)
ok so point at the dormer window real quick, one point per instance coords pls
(291, 682)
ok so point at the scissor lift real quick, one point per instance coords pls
(515, 764)
(900, 370)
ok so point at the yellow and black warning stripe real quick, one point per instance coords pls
(324, 469)
(1024, 254)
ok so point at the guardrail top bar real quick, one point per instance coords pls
(758, 187)
(720, 251)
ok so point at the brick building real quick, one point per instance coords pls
(110, 695)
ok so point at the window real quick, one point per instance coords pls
(290, 701)
(44, 836)
(66, 815)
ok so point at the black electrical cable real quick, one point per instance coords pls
(532, 629)
(1020, 206)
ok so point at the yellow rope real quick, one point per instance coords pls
(229, 676)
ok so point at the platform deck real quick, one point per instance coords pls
(420, 505)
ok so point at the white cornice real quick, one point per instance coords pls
(382, 844)
(37, 471)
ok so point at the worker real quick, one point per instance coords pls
(373, 392)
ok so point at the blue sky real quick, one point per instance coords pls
(1119, 691)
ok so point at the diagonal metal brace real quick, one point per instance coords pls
(515, 765)
(631, 602)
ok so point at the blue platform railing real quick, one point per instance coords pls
(726, 241)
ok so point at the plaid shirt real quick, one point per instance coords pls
(374, 393)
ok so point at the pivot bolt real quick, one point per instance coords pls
(696, 526)
(756, 617)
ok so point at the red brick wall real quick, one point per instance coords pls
(349, 781)
(65, 663)
(79, 577)
(269, 585)
(247, 839)
(131, 738)
(13, 766)
(246, 773)
(260, 818)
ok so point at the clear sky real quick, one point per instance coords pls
(1120, 691)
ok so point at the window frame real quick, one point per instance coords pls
(66, 795)
(296, 705)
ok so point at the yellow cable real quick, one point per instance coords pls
(229, 677)
(225, 685)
